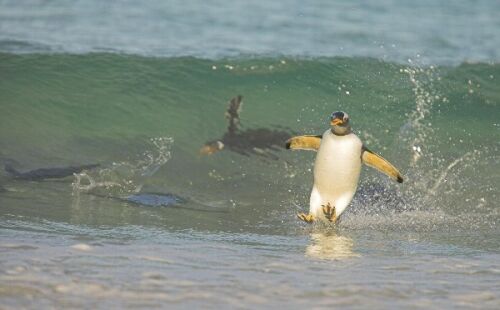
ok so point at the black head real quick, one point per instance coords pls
(340, 123)
(339, 118)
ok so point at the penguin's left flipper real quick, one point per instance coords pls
(378, 162)
(307, 142)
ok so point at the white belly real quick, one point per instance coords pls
(336, 172)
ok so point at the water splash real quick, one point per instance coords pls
(125, 177)
(439, 193)
(469, 156)
(418, 128)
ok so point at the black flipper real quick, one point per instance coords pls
(47, 173)
(233, 114)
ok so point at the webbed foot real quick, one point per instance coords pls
(308, 218)
(329, 212)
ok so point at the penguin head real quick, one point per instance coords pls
(339, 121)
(211, 147)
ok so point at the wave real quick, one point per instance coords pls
(439, 125)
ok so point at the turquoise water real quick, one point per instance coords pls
(139, 89)
(437, 31)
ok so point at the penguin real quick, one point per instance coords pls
(46, 173)
(337, 167)
(254, 141)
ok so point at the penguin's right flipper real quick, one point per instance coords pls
(307, 142)
(378, 162)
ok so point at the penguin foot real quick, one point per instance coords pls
(329, 212)
(308, 218)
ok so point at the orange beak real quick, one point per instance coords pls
(336, 121)
(207, 150)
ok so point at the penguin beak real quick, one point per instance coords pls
(336, 121)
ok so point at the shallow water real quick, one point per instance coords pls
(234, 241)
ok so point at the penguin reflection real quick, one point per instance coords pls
(330, 246)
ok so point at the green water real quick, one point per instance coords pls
(139, 87)
(431, 241)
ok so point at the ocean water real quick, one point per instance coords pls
(139, 88)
